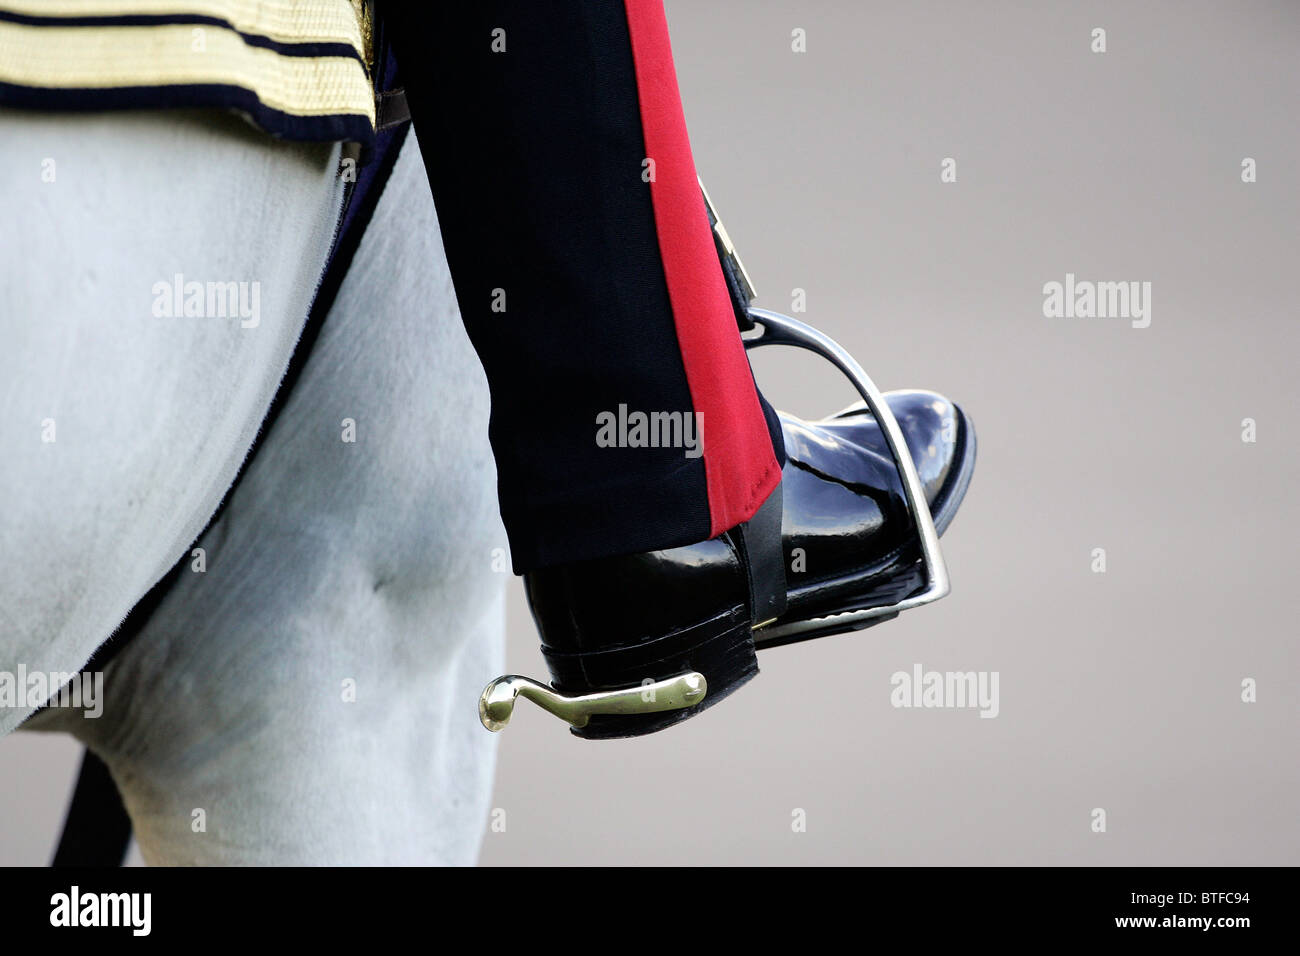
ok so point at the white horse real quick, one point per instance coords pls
(305, 693)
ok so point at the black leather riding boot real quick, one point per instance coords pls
(849, 538)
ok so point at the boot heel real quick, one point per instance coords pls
(638, 688)
(721, 649)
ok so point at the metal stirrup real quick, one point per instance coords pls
(778, 329)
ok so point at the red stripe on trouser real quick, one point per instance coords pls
(739, 463)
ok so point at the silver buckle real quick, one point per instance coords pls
(728, 247)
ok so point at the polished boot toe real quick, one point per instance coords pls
(931, 426)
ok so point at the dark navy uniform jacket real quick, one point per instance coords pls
(578, 239)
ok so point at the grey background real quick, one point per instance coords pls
(1118, 690)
